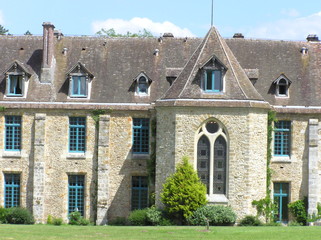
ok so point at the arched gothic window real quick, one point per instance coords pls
(212, 157)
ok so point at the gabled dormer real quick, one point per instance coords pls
(282, 84)
(79, 81)
(213, 72)
(142, 84)
(17, 76)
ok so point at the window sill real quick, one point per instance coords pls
(11, 154)
(76, 155)
(281, 159)
(217, 198)
(140, 156)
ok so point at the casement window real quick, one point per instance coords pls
(282, 138)
(282, 84)
(281, 200)
(15, 85)
(12, 133)
(212, 157)
(213, 81)
(11, 190)
(139, 192)
(79, 86)
(77, 134)
(140, 135)
(76, 193)
(142, 86)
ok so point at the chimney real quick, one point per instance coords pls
(48, 52)
(312, 38)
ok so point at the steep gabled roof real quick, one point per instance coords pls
(188, 83)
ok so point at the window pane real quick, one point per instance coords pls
(12, 190)
(82, 86)
(77, 134)
(140, 135)
(203, 160)
(142, 85)
(209, 81)
(139, 192)
(217, 81)
(76, 193)
(219, 166)
(282, 138)
(13, 133)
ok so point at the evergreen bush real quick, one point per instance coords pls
(118, 221)
(75, 218)
(250, 221)
(19, 215)
(138, 217)
(3, 215)
(298, 209)
(216, 215)
(154, 216)
(57, 221)
(183, 192)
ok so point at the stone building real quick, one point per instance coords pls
(83, 119)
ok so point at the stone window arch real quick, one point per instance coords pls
(212, 159)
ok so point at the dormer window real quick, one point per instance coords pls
(282, 86)
(79, 81)
(16, 80)
(79, 86)
(213, 75)
(213, 81)
(142, 84)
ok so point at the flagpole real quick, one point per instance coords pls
(212, 14)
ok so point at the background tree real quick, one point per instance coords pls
(183, 192)
(3, 31)
(28, 33)
(112, 33)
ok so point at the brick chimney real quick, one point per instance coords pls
(48, 52)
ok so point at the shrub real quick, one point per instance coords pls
(153, 215)
(19, 215)
(183, 192)
(165, 222)
(216, 215)
(3, 214)
(294, 224)
(138, 217)
(250, 221)
(298, 209)
(118, 221)
(75, 218)
(57, 221)
(49, 219)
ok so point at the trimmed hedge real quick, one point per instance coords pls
(216, 215)
(19, 215)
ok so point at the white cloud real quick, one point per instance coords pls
(138, 24)
(1, 18)
(288, 29)
(290, 12)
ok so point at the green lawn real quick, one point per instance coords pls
(34, 232)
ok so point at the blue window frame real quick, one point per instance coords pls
(78, 86)
(77, 134)
(11, 190)
(15, 85)
(13, 133)
(141, 135)
(282, 138)
(281, 199)
(76, 189)
(139, 192)
(213, 81)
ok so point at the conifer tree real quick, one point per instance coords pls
(183, 192)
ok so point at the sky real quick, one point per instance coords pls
(272, 19)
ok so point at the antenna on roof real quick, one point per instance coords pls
(212, 13)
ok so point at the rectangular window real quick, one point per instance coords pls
(141, 135)
(77, 134)
(79, 86)
(282, 138)
(15, 85)
(213, 81)
(139, 192)
(13, 133)
(281, 200)
(11, 190)
(76, 189)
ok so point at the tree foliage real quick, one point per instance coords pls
(112, 33)
(28, 33)
(183, 192)
(3, 31)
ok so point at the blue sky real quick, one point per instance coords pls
(273, 19)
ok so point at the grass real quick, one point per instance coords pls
(48, 232)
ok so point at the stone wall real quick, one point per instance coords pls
(246, 181)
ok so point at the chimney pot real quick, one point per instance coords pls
(238, 35)
(312, 38)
